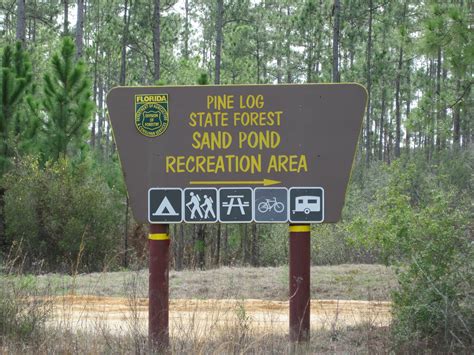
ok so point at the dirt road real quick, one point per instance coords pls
(202, 317)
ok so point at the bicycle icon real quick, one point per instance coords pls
(270, 204)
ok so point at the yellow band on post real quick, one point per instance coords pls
(300, 228)
(158, 236)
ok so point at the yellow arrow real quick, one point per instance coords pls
(264, 182)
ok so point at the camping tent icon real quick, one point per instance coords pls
(165, 209)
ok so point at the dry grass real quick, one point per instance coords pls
(361, 340)
(202, 327)
(355, 282)
(224, 321)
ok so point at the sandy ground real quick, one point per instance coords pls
(192, 317)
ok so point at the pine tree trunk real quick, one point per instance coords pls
(94, 116)
(201, 237)
(21, 22)
(369, 88)
(289, 78)
(225, 245)
(457, 117)
(180, 248)
(255, 248)
(397, 103)
(156, 40)
(408, 107)
(123, 58)
(66, 15)
(109, 142)
(212, 245)
(309, 63)
(193, 257)
(278, 69)
(335, 43)
(204, 53)
(444, 109)
(258, 59)
(390, 140)
(186, 29)
(351, 46)
(123, 68)
(374, 143)
(218, 245)
(33, 30)
(29, 27)
(242, 242)
(219, 23)
(80, 29)
(245, 244)
(264, 61)
(431, 135)
(279, 59)
(382, 120)
(438, 101)
(100, 124)
(318, 57)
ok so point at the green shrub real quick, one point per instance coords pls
(422, 223)
(435, 302)
(64, 214)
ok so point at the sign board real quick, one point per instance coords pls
(238, 139)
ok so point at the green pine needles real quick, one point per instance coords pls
(15, 78)
(67, 102)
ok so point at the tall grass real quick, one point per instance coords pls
(74, 324)
(23, 309)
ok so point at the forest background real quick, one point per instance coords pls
(63, 203)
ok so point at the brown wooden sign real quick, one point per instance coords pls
(283, 136)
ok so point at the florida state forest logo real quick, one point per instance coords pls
(151, 114)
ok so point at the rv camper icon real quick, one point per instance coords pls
(307, 204)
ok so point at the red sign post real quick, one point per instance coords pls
(158, 296)
(300, 262)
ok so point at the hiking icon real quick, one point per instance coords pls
(195, 203)
(200, 205)
(208, 201)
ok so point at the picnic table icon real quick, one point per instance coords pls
(235, 201)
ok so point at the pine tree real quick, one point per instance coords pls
(15, 78)
(67, 101)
